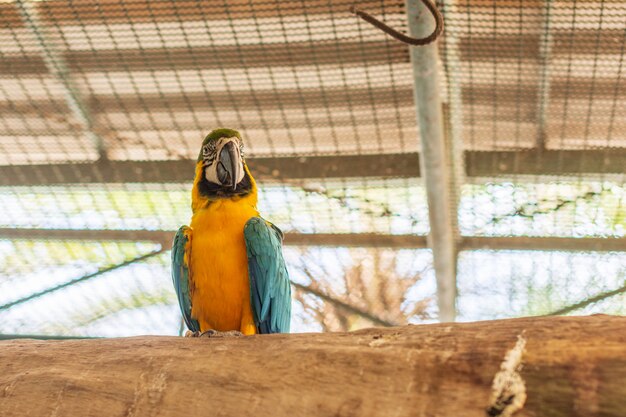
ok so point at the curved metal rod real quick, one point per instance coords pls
(401, 36)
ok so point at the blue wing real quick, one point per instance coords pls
(181, 251)
(270, 289)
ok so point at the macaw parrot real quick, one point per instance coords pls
(227, 266)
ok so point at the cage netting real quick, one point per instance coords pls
(104, 104)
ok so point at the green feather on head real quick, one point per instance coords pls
(216, 135)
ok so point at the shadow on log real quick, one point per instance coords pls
(569, 366)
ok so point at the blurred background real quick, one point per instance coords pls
(104, 105)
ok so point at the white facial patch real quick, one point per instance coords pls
(210, 171)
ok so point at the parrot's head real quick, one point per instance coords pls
(221, 171)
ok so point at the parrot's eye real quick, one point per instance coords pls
(208, 149)
(209, 153)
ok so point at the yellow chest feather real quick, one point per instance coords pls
(219, 267)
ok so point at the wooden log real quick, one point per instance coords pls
(557, 366)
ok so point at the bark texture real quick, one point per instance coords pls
(568, 366)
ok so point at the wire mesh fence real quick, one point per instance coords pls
(104, 105)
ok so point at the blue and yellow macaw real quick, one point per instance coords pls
(227, 266)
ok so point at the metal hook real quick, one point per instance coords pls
(401, 36)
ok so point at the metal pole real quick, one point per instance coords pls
(455, 106)
(588, 301)
(435, 159)
(81, 279)
(57, 67)
(545, 52)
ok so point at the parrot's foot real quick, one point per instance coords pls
(216, 334)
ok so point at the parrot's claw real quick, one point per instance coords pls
(189, 333)
(216, 334)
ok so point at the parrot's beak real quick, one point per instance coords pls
(229, 166)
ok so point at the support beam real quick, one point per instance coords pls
(80, 279)
(568, 244)
(483, 49)
(453, 136)
(545, 53)
(478, 164)
(454, 112)
(509, 98)
(588, 301)
(182, 171)
(56, 65)
(62, 12)
(165, 237)
(231, 56)
(162, 237)
(548, 162)
(435, 159)
(358, 240)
